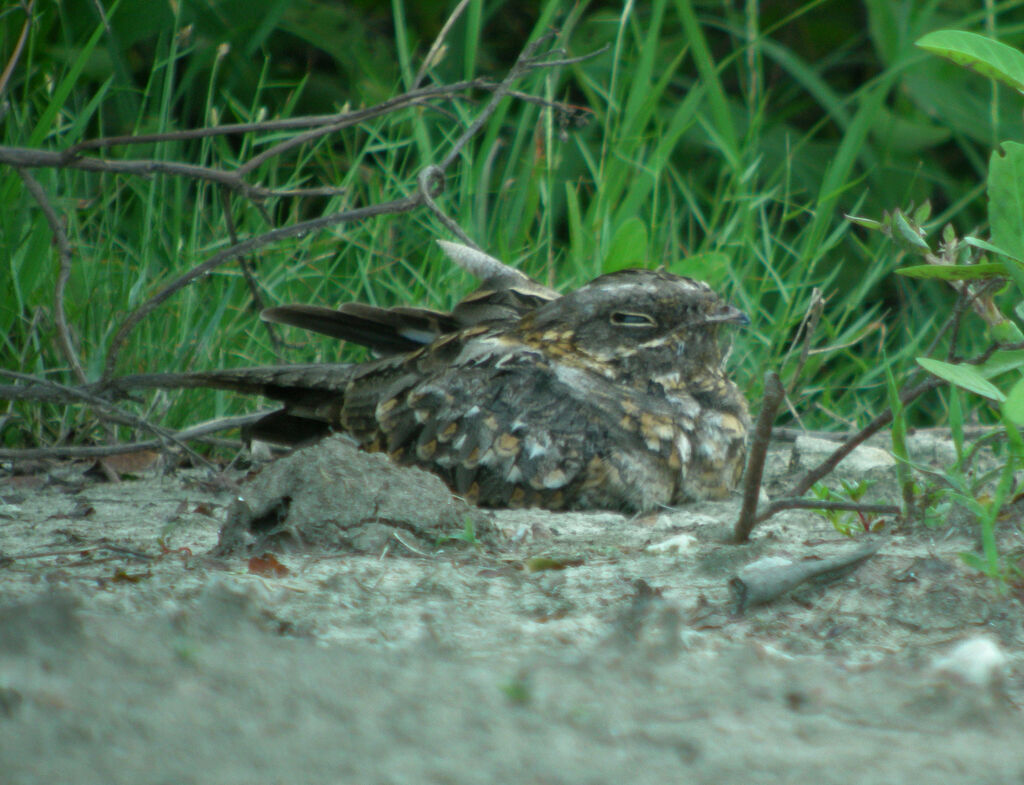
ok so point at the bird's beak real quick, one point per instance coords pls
(728, 314)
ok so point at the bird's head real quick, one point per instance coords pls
(635, 323)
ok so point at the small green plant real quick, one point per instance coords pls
(467, 535)
(984, 273)
(849, 524)
(517, 690)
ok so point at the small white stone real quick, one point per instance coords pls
(977, 661)
(680, 543)
(862, 459)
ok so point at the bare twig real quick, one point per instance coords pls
(113, 412)
(64, 250)
(435, 47)
(564, 60)
(195, 432)
(5, 77)
(30, 158)
(792, 434)
(829, 464)
(432, 179)
(808, 326)
(819, 504)
(522, 64)
(405, 204)
(250, 279)
(773, 395)
(341, 119)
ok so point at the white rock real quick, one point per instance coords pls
(978, 661)
(862, 459)
(680, 543)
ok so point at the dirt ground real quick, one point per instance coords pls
(140, 644)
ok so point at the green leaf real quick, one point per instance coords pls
(711, 266)
(979, 53)
(966, 376)
(628, 247)
(1001, 361)
(907, 234)
(954, 272)
(867, 223)
(977, 242)
(1013, 406)
(923, 213)
(974, 561)
(1006, 204)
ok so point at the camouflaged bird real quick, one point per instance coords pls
(613, 397)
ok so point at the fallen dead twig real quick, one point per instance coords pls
(113, 413)
(195, 432)
(767, 579)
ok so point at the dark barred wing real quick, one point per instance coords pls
(510, 430)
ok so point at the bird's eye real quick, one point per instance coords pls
(626, 319)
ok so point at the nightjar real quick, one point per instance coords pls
(612, 396)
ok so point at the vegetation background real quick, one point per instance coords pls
(724, 140)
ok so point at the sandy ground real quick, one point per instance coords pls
(558, 648)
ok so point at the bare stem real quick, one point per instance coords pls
(774, 392)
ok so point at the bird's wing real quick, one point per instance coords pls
(504, 296)
(506, 429)
(385, 330)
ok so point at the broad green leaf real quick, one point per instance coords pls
(966, 376)
(978, 52)
(1006, 204)
(1001, 361)
(1013, 406)
(954, 272)
(712, 267)
(628, 247)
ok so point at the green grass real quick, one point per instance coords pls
(725, 145)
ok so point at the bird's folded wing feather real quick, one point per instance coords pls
(505, 295)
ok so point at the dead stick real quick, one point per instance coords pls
(829, 464)
(197, 432)
(404, 204)
(64, 251)
(19, 47)
(112, 412)
(818, 504)
(774, 392)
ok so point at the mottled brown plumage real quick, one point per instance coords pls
(610, 397)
